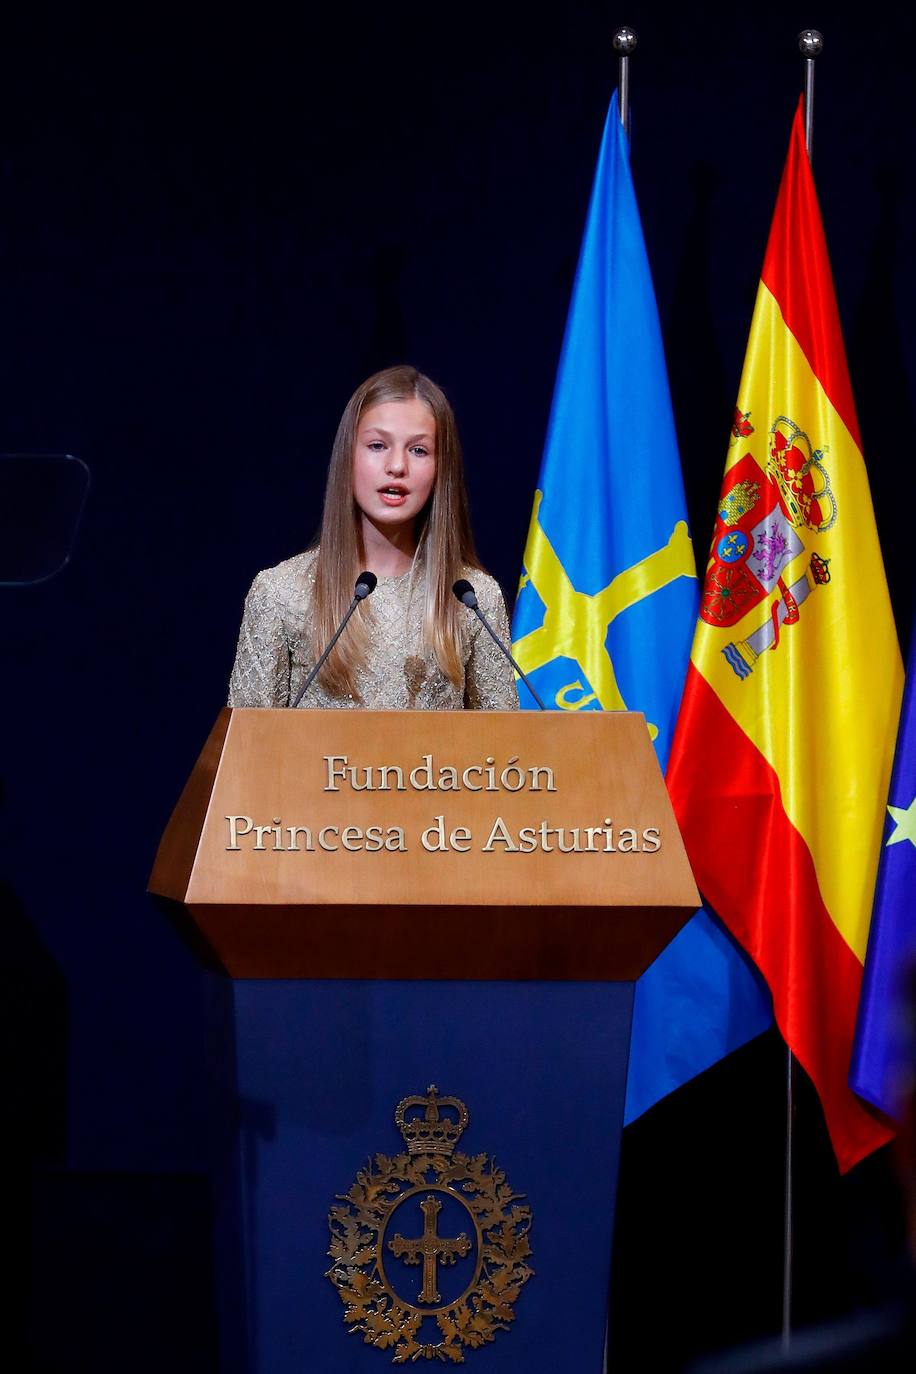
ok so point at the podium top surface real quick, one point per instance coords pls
(358, 814)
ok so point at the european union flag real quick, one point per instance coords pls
(608, 597)
(880, 1056)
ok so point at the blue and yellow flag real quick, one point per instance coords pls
(608, 596)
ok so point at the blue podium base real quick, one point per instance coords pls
(311, 1073)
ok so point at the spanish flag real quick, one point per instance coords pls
(784, 744)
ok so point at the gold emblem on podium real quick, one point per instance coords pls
(430, 1248)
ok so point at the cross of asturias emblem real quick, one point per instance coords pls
(575, 624)
(491, 1258)
(430, 1248)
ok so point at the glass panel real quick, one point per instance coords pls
(42, 496)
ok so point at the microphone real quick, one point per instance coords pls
(366, 584)
(468, 597)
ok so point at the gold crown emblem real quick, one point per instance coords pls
(800, 477)
(430, 1133)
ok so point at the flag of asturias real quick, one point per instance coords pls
(608, 596)
(881, 1062)
(783, 750)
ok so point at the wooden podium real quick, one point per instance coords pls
(405, 899)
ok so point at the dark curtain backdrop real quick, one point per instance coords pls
(213, 224)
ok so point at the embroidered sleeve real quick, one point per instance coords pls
(261, 673)
(489, 677)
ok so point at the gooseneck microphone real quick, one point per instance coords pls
(468, 597)
(366, 584)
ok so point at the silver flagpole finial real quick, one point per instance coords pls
(810, 45)
(625, 41)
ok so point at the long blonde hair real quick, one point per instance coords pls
(445, 545)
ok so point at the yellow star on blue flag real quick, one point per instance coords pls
(881, 1057)
(905, 818)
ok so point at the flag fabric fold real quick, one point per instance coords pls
(882, 1058)
(608, 595)
(784, 743)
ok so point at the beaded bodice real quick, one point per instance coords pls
(274, 652)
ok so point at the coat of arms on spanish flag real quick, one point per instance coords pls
(784, 744)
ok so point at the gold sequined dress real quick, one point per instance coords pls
(274, 653)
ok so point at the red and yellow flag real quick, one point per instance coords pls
(783, 750)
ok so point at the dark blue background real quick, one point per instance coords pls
(214, 224)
